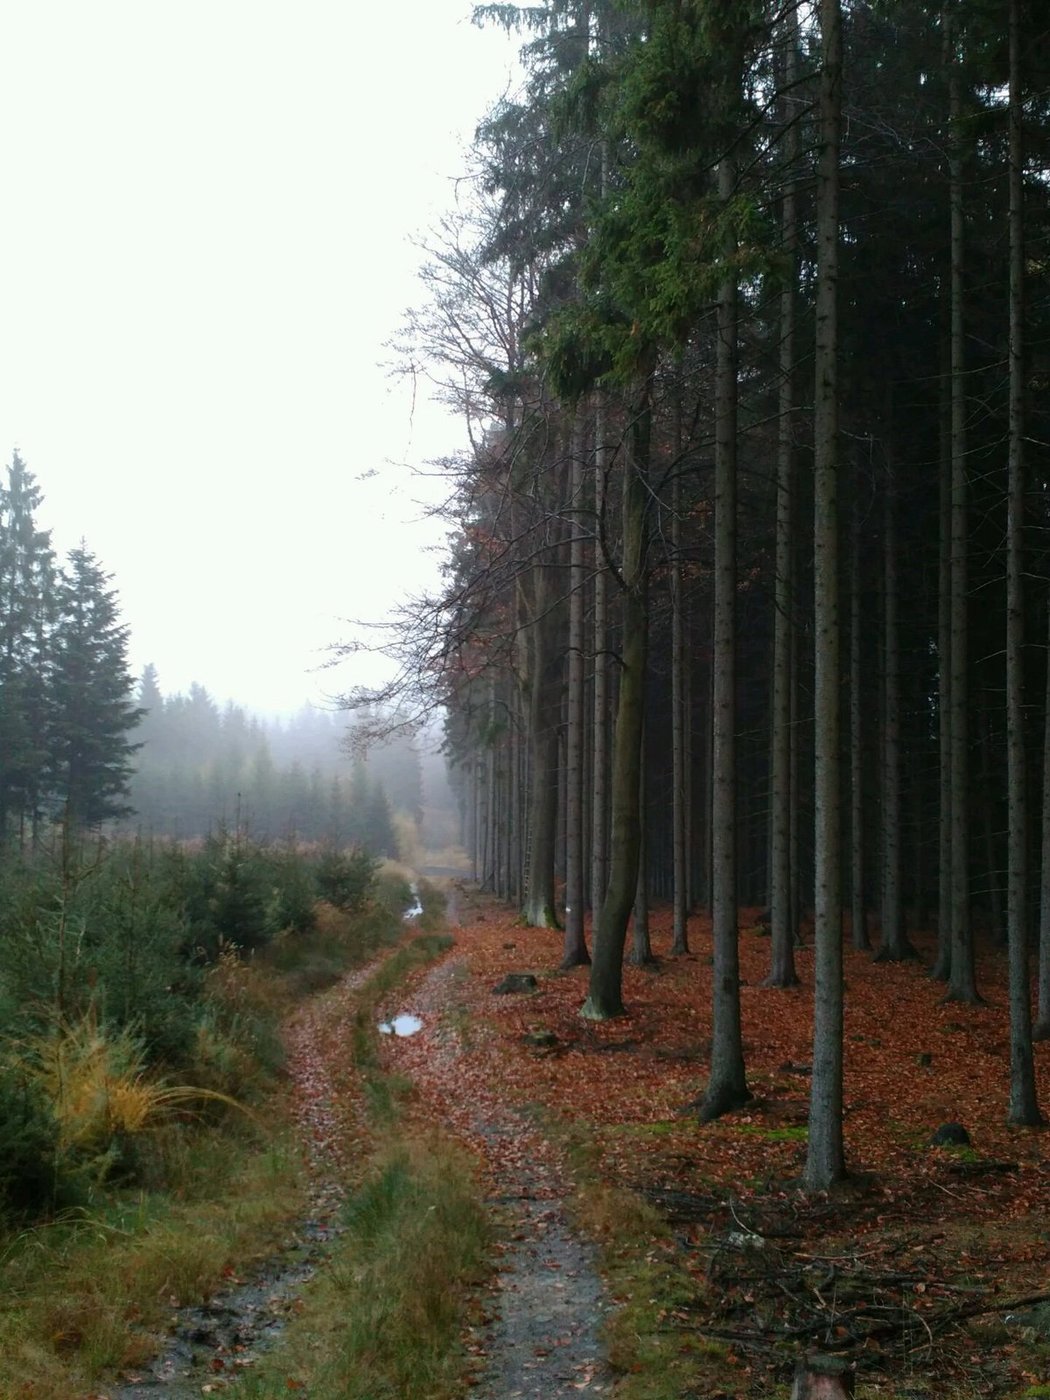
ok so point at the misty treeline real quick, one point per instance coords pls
(747, 314)
(287, 780)
(84, 744)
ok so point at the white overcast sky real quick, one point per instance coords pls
(207, 210)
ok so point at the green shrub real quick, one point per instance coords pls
(228, 896)
(30, 1181)
(294, 891)
(346, 878)
(394, 893)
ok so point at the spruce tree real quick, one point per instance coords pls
(27, 579)
(90, 752)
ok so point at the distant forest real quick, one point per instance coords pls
(81, 742)
(200, 765)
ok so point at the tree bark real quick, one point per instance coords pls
(858, 905)
(600, 724)
(783, 914)
(941, 969)
(962, 983)
(1024, 1108)
(605, 993)
(894, 946)
(727, 1087)
(825, 1161)
(642, 948)
(679, 747)
(544, 705)
(1042, 1020)
(574, 947)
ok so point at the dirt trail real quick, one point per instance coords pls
(542, 1337)
(216, 1341)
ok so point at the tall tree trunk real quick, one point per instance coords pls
(990, 784)
(727, 1086)
(605, 993)
(574, 951)
(544, 708)
(1042, 1021)
(641, 945)
(941, 969)
(783, 914)
(858, 905)
(1024, 1107)
(825, 1161)
(514, 838)
(679, 747)
(894, 946)
(600, 713)
(962, 983)
(796, 825)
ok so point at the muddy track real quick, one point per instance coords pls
(542, 1337)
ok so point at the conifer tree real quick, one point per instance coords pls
(27, 585)
(90, 751)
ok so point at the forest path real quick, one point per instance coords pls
(214, 1342)
(541, 1336)
(540, 1331)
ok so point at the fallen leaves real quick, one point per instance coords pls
(911, 1063)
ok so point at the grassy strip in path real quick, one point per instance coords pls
(384, 1318)
(643, 1271)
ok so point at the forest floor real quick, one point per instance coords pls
(643, 1256)
(928, 1271)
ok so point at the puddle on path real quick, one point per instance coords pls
(405, 1024)
(415, 909)
(213, 1344)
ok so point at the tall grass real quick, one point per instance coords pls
(384, 1319)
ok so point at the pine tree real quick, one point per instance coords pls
(90, 752)
(27, 580)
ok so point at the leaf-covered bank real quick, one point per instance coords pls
(923, 1271)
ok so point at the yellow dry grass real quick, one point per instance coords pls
(94, 1078)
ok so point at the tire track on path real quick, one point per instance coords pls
(542, 1340)
(218, 1340)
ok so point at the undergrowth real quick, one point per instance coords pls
(85, 1292)
(137, 1171)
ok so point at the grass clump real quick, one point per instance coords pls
(91, 1289)
(384, 1318)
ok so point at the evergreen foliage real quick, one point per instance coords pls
(126, 990)
(65, 711)
(89, 760)
(637, 297)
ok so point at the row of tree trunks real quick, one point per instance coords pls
(605, 837)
